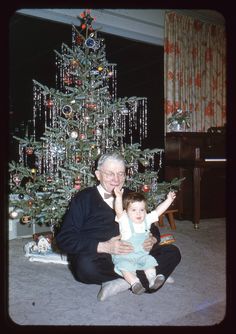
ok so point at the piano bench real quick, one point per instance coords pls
(170, 216)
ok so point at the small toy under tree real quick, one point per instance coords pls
(72, 126)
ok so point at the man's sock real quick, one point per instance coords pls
(112, 288)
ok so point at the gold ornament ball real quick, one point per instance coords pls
(25, 219)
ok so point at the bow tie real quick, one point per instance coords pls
(107, 195)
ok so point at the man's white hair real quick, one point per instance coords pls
(110, 156)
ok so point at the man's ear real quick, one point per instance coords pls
(97, 173)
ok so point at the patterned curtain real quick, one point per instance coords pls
(195, 73)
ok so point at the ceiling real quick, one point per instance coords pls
(145, 25)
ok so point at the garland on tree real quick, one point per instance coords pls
(72, 126)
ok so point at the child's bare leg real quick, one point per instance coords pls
(130, 277)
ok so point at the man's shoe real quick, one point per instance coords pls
(137, 288)
(158, 282)
(170, 280)
(112, 288)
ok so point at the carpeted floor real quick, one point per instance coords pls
(47, 294)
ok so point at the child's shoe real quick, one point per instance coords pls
(137, 288)
(157, 282)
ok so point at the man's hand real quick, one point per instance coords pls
(115, 246)
(149, 242)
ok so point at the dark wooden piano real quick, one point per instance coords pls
(200, 158)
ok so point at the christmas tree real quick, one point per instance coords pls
(72, 126)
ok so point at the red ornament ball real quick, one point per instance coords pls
(67, 80)
(29, 150)
(79, 39)
(78, 158)
(82, 136)
(78, 82)
(145, 188)
(49, 103)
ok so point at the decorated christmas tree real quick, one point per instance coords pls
(72, 126)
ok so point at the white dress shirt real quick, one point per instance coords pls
(109, 201)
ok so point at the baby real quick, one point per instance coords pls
(134, 223)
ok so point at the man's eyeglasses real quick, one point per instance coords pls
(111, 175)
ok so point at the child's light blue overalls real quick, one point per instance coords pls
(139, 259)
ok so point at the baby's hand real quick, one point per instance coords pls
(171, 195)
(118, 192)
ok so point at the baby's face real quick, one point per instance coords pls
(136, 212)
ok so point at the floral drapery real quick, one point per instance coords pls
(195, 71)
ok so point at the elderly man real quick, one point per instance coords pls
(89, 234)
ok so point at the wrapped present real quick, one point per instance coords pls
(44, 245)
(167, 239)
(41, 246)
(41, 251)
(48, 235)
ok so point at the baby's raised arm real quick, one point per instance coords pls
(118, 201)
(171, 196)
(161, 208)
